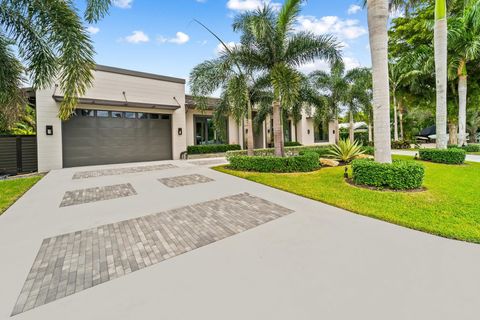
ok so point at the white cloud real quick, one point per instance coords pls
(124, 4)
(92, 30)
(137, 36)
(220, 48)
(354, 8)
(348, 29)
(180, 38)
(246, 5)
(351, 63)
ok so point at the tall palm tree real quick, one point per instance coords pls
(270, 45)
(51, 43)
(464, 42)
(377, 28)
(334, 86)
(440, 47)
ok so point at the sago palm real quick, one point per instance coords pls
(270, 45)
(52, 45)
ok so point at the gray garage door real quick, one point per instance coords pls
(94, 137)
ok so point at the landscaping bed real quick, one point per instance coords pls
(447, 156)
(308, 161)
(449, 206)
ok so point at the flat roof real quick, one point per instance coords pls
(140, 74)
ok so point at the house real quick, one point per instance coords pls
(131, 116)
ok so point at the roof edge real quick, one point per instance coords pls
(140, 74)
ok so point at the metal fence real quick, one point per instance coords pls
(18, 154)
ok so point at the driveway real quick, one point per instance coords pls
(470, 157)
(177, 240)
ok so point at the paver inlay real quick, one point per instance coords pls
(71, 198)
(73, 262)
(119, 171)
(186, 180)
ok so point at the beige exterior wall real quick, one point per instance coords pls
(110, 86)
(306, 127)
(233, 129)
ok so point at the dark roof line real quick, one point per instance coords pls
(139, 74)
(116, 103)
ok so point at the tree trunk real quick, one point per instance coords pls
(440, 44)
(250, 142)
(377, 28)
(462, 110)
(370, 132)
(452, 130)
(395, 122)
(278, 129)
(351, 129)
(400, 118)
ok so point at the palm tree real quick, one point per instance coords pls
(334, 86)
(270, 45)
(377, 28)
(440, 47)
(358, 94)
(52, 43)
(464, 42)
(473, 124)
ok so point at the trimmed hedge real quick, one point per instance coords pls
(304, 163)
(399, 175)
(212, 148)
(401, 144)
(473, 147)
(292, 144)
(368, 150)
(448, 156)
(289, 151)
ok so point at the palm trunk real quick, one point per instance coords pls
(278, 129)
(395, 122)
(337, 128)
(250, 142)
(351, 129)
(377, 27)
(462, 110)
(400, 118)
(440, 44)
(370, 132)
(452, 130)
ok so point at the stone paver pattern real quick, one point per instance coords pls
(82, 196)
(120, 171)
(186, 180)
(76, 261)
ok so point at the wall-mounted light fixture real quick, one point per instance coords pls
(180, 131)
(49, 130)
(308, 131)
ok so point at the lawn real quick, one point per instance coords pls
(11, 190)
(449, 207)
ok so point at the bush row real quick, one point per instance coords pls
(212, 148)
(473, 147)
(399, 175)
(448, 156)
(289, 151)
(370, 150)
(401, 144)
(301, 163)
(292, 144)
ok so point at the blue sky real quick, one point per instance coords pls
(160, 37)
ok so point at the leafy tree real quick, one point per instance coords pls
(51, 43)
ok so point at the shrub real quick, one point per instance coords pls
(448, 156)
(289, 151)
(399, 175)
(292, 144)
(304, 163)
(473, 147)
(212, 148)
(346, 151)
(401, 144)
(370, 150)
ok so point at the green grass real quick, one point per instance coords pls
(450, 207)
(11, 190)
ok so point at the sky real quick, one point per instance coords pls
(159, 36)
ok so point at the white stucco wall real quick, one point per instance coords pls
(110, 86)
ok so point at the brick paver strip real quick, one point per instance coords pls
(180, 181)
(73, 262)
(71, 198)
(119, 171)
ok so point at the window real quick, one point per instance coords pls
(165, 117)
(287, 130)
(102, 114)
(141, 115)
(87, 113)
(206, 133)
(117, 114)
(130, 115)
(321, 132)
(154, 116)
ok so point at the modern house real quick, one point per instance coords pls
(131, 116)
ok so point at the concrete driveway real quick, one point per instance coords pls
(177, 240)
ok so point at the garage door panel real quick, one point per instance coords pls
(97, 140)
